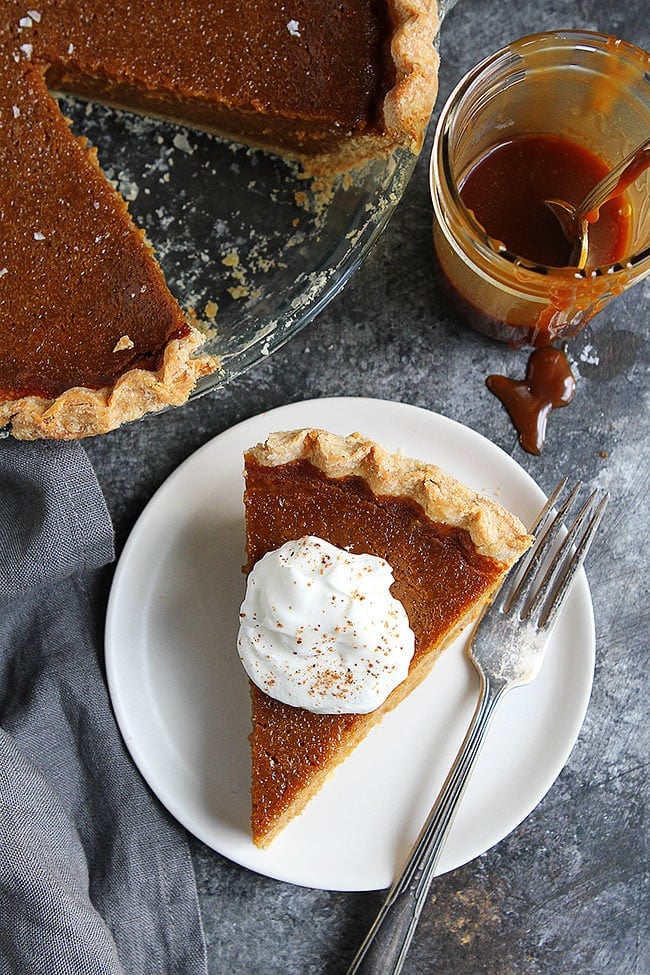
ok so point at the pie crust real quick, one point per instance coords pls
(495, 532)
(294, 751)
(82, 297)
(158, 57)
(83, 412)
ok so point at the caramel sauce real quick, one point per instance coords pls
(506, 190)
(507, 187)
(549, 384)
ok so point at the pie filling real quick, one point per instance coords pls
(438, 572)
(304, 104)
(83, 299)
(90, 336)
(440, 578)
(254, 72)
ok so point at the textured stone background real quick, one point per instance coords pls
(567, 892)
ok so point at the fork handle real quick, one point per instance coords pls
(386, 944)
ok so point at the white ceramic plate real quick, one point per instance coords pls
(181, 696)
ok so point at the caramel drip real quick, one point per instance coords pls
(549, 384)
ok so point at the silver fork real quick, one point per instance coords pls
(507, 649)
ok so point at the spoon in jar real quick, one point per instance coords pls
(575, 221)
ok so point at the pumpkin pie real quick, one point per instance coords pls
(449, 549)
(89, 334)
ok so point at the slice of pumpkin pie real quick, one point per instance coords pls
(350, 550)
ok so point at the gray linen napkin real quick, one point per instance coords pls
(95, 876)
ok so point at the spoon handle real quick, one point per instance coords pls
(618, 179)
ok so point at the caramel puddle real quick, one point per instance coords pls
(549, 384)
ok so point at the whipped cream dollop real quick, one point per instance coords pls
(320, 629)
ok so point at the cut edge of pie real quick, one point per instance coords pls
(85, 410)
(495, 533)
(403, 114)
(408, 104)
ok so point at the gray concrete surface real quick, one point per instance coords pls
(567, 892)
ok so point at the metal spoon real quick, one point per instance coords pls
(575, 220)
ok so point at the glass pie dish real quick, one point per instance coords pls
(248, 246)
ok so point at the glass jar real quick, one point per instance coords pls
(588, 88)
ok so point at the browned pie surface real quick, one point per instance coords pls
(75, 275)
(83, 306)
(438, 577)
(306, 68)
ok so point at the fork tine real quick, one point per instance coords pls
(544, 513)
(558, 563)
(509, 587)
(558, 597)
(517, 598)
